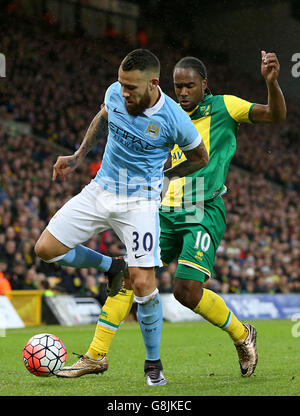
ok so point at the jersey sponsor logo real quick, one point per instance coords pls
(153, 130)
(128, 139)
(177, 156)
(199, 255)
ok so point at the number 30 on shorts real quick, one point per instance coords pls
(146, 240)
(202, 241)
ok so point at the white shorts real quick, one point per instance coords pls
(134, 219)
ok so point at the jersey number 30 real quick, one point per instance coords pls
(147, 241)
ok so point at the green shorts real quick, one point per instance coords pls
(193, 244)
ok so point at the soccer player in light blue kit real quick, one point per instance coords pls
(143, 125)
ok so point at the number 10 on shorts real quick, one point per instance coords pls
(202, 241)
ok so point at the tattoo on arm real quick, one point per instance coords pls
(97, 129)
(72, 162)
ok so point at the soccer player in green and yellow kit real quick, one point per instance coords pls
(192, 213)
(191, 231)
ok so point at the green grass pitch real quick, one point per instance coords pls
(199, 360)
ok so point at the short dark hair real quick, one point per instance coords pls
(141, 59)
(193, 63)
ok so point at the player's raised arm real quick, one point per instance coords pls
(275, 110)
(196, 159)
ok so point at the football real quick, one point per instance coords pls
(44, 355)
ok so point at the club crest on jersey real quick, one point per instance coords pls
(153, 130)
(205, 110)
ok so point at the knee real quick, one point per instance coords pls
(138, 283)
(182, 296)
(142, 281)
(48, 248)
(41, 251)
(187, 294)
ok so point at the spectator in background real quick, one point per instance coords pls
(71, 281)
(142, 38)
(165, 284)
(4, 281)
(27, 252)
(18, 275)
(91, 287)
(172, 269)
(111, 32)
(115, 249)
(10, 249)
(45, 286)
(94, 167)
(96, 287)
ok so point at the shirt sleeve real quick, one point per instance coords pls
(238, 109)
(108, 98)
(186, 135)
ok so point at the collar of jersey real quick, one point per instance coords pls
(152, 110)
(205, 99)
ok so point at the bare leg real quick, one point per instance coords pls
(48, 247)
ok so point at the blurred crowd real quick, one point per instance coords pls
(57, 89)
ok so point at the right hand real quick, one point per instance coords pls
(269, 66)
(64, 165)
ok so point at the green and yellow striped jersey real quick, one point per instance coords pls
(217, 119)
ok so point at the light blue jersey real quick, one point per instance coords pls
(138, 146)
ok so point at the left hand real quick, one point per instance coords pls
(269, 66)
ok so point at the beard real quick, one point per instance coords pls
(138, 109)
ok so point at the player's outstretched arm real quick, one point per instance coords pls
(196, 159)
(275, 110)
(97, 129)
